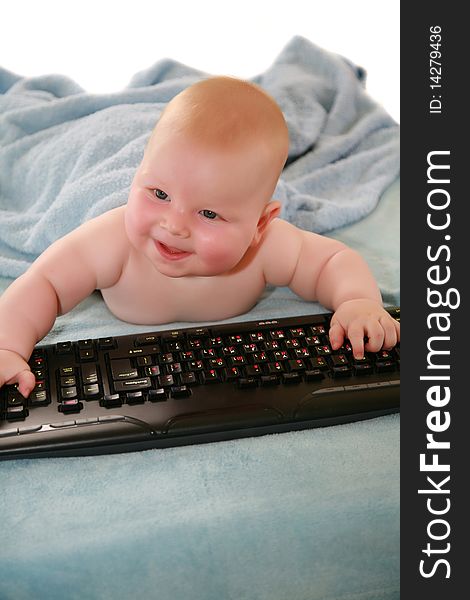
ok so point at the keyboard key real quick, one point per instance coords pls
(269, 380)
(152, 371)
(237, 361)
(385, 366)
(342, 371)
(293, 344)
(273, 345)
(66, 371)
(211, 376)
(174, 346)
(236, 339)
(250, 348)
(158, 395)
(38, 398)
(166, 380)
(196, 365)
(68, 392)
(232, 374)
(64, 348)
(89, 373)
(254, 370)
(147, 340)
(174, 368)
(274, 368)
(323, 350)
(70, 406)
(216, 363)
(338, 360)
(15, 400)
(16, 413)
(167, 358)
(107, 343)
(314, 375)
(133, 385)
(135, 398)
(215, 342)
(86, 354)
(85, 344)
(144, 361)
(122, 369)
(111, 401)
(298, 332)
(189, 379)
(229, 350)
(362, 368)
(180, 391)
(319, 362)
(90, 391)
(296, 365)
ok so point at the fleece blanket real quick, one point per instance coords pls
(67, 155)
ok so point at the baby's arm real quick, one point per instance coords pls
(86, 259)
(323, 269)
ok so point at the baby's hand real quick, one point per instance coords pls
(14, 369)
(355, 319)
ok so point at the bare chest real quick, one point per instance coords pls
(145, 296)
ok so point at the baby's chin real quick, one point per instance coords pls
(178, 271)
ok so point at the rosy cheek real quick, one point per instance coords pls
(139, 214)
(220, 248)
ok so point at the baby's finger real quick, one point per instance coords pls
(375, 335)
(390, 332)
(397, 329)
(336, 335)
(356, 338)
(26, 382)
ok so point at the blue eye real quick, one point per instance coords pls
(160, 194)
(208, 214)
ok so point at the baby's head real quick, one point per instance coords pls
(206, 180)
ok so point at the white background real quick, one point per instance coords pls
(101, 44)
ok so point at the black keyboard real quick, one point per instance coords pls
(194, 385)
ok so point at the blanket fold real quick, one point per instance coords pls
(67, 155)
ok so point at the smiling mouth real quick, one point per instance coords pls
(169, 252)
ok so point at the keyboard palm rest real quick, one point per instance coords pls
(193, 385)
(227, 419)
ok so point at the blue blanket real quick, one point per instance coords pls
(67, 155)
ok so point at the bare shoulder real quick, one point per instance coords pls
(109, 223)
(99, 246)
(288, 253)
(279, 251)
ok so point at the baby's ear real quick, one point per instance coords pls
(270, 212)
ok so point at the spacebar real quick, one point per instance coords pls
(242, 417)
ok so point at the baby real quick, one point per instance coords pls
(199, 238)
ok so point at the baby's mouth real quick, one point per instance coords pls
(170, 252)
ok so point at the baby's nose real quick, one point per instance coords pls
(176, 225)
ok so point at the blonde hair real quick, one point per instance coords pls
(227, 113)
